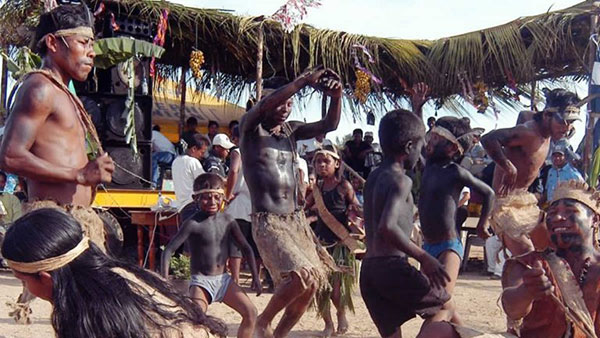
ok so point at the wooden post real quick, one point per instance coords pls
(4, 88)
(183, 85)
(589, 130)
(259, 61)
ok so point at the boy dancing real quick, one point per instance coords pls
(289, 249)
(392, 289)
(442, 182)
(209, 232)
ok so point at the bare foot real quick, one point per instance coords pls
(328, 331)
(263, 330)
(342, 324)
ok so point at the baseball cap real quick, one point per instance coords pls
(559, 148)
(369, 134)
(223, 141)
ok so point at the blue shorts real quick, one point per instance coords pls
(450, 245)
(215, 286)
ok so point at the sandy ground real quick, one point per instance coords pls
(475, 295)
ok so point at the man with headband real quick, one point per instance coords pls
(519, 153)
(208, 233)
(299, 266)
(49, 137)
(441, 185)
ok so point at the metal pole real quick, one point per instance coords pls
(533, 91)
(589, 130)
(259, 62)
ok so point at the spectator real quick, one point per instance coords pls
(10, 210)
(189, 129)
(355, 152)
(232, 125)
(215, 163)
(213, 129)
(163, 152)
(431, 122)
(187, 167)
(561, 171)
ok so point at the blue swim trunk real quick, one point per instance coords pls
(450, 245)
(215, 286)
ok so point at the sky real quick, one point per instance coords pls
(406, 19)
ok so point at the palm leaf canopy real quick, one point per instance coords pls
(546, 46)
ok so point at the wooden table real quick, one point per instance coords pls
(151, 219)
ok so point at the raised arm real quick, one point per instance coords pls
(394, 209)
(269, 103)
(181, 236)
(33, 108)
(486, 191)
(494, 142)
(331, 86)
(237, 235)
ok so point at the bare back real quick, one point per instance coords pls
(527, 149)
(270, 170)
(377, 195)
(54, 133)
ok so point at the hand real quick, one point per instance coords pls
(97, 171)
(256, 286)
(419, 95)
(483, 232)
(312, 75)
(509, 178)
(434, 270)
(330, 84)
(537, 283)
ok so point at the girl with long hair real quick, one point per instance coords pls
(92, 294)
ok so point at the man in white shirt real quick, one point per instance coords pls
(163, 151)
(187, 167)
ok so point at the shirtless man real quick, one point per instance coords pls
(285, 242)
(48, 133)
(209, 233)
(392, 289)
(519, 153)
(529, 292)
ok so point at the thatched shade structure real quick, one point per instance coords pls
(545, 46)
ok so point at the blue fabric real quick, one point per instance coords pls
(450, 245)
(215, 286)
(163, 157)
(566, 173)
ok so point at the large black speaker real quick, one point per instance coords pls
(109, 116)
(136, 166)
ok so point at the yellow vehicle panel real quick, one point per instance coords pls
(122, 198)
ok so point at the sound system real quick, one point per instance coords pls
(104, 94)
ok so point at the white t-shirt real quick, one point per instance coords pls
(185, 169)
(302, 165)
(160, 143)
(241, 206)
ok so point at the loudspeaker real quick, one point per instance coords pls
(140, 165)
(109, 116)
(125, 25)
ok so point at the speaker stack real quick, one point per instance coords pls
(104, 95)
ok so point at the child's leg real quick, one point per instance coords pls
(200, 297)
(328, 330)
(336, 297)
(451, 262)
(237, 299)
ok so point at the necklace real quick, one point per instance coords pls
(584, 270)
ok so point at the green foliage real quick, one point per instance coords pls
(21, 61)
(594, 169)
(112, 51)
(180, 267)
(130, 132)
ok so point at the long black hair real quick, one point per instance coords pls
(89, 298)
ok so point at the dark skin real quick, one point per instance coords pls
(268, 157)
(442, 182)
(570, 225)
(519, 153)
(44, 139)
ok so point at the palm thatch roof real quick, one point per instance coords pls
(546, 46)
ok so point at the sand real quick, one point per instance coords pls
(475, 295)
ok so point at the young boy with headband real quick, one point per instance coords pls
(441, 185)
(208, 233)
(333, 197)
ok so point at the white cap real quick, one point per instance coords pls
(223, 141)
